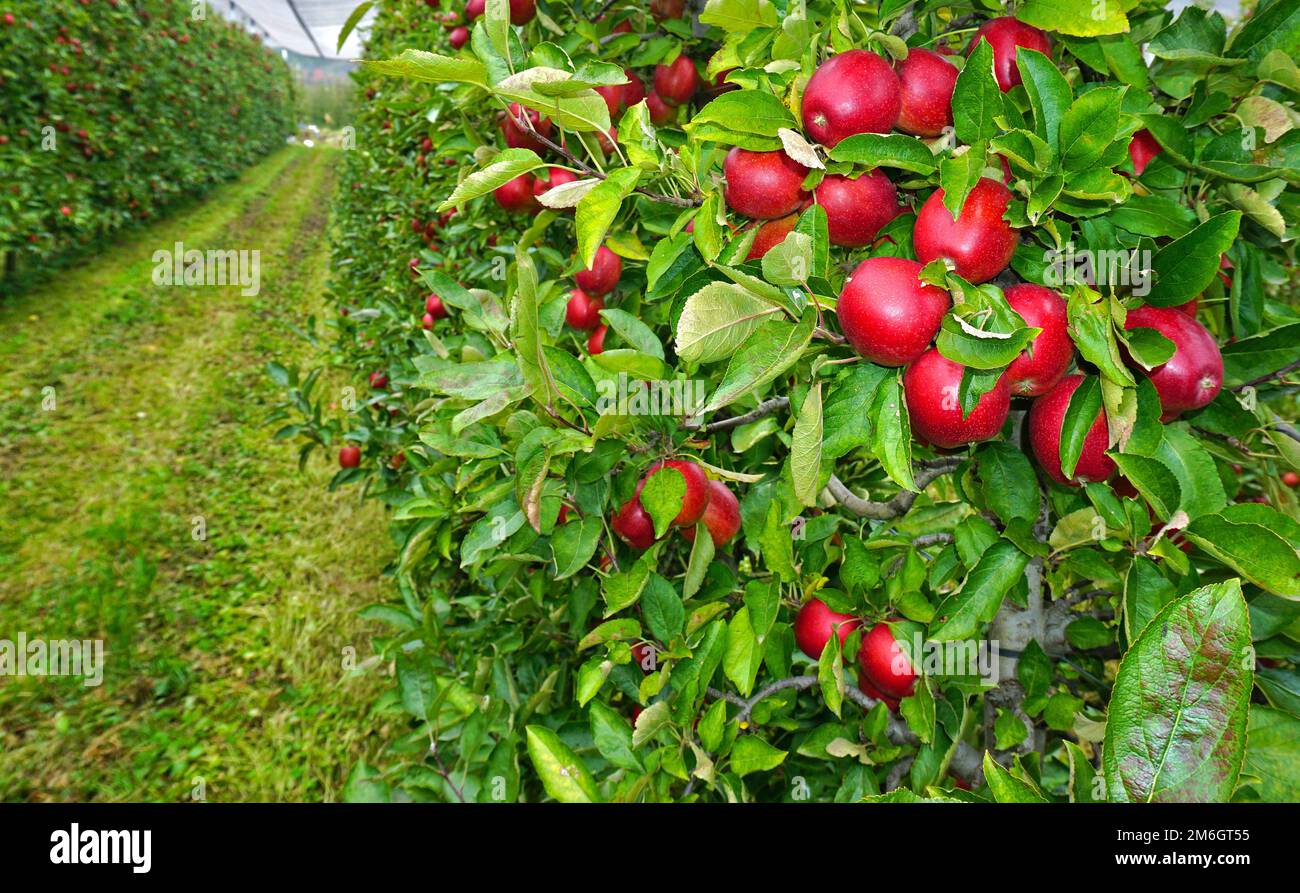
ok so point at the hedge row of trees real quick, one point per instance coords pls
(923, 429)
(114, 108)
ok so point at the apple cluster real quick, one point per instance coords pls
(704, 499)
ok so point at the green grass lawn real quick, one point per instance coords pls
(225, 653)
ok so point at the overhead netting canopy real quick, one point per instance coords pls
(309, 27)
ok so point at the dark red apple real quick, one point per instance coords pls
(763, 185)
(633, 90)
(517, 137)
(378, 380)
(633, 525)
(865, 686)
(1005, 35)
(600, 279)
(932, 386)
(596, 341)
(856, 209)
(676, 82)
(926, 80)
(522, 11)
(660, 111)
(887, 313)
(721, 516)
(583, 311)
(696, 498)
(517, 195)
(1194, 374)
(854, 92)
(349, 457)
(885, 664)
(1045, 419)
(1040, 367)
(978, 242)
(458, 37)
(816, 623)
(434, 307)
(474, 9)
(1142, 148)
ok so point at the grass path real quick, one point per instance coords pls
(146, 503)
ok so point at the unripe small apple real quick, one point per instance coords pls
(1037, 369)
(677, 81)
(857, 208)
(885, 663)
(763, 185)
(583, 311)
(979, 241)
(427, 321)
(349, 457)
(932, 386)
(854, 92)
(816, 623)
(1046, 417)
(600, 278)
(516, 195)
(926, 80)
(887, 313)
(695, 499)
(633, 526)
(1006, 35)
(1192, 377)
(1290, 478)
(721, 516)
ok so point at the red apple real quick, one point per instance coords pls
(596, 341)
(600, 279)
(721, 516)
(1193, 376)
(458, 37)
(661, 10)
(932, 386)
(856, 209)
(816, 623)
(558, 176)
(517, 137)
(885, 664)
(1045, 419)
(696, 498)
(1290, 478)
(434, 307)
(349, 457)
(1037, 369)
(926, 80)
(660, 111)
(763, 185)
(427, 321)
(865, 686)
(634, 89)
(1005, 35)
(583, 311)
(854, 92)
(1142, 148)
(676, 82)
(887, 313)
(522, 11)
(978, 242)
(378, 380)
(517, 195)
(770, 234)
(633, 525)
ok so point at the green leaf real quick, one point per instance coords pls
(1088, 127)
(573, 544)
(718, 319)
(789, 262)
(633, 331)
(1259, 355)
(1154, 481)
(612, 735)
(702, 551)
(353, 19)
(744, 654)
(830, 674)
(894, 150)
(752, 754)
(1007, 787)
(891, 440)
(581, 109)
(421, 66)
(772, 349)
(1074, 18)
(1186, 266)
(746, 111)
(503, 168)
(1193, 466)
(1273, 755)
(1080, 415)
(662, 496)
(978, 600)
(662, 609)
(1274, 25)
(1176, 726)
(741, 16)
(598, 208)
(806, 448)
(1253, 544)
(1049, 95)
(562, 774)
(1009, 486)
(976, 97)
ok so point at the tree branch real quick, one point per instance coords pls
(766, 408)
(900, 504)
(1272, 375)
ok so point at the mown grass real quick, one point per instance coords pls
(149, 506)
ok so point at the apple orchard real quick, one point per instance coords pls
(951, 519)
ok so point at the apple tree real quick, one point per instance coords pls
(800, 400)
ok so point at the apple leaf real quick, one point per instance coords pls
(1176, 725)
(561, 771)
